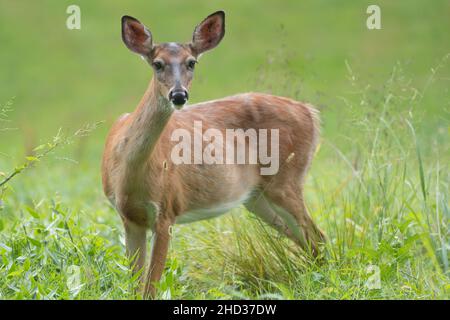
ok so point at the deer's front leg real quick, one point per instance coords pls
(135, 238)
(161, 240)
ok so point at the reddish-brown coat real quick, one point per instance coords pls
(179, 188)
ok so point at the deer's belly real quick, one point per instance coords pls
(208, 213)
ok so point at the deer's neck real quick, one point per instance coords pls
(147, 124)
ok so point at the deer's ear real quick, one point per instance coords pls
(209, 32)
(136, 36)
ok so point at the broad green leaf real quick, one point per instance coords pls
(32, 212)
(34, 241)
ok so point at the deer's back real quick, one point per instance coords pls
(214, 189)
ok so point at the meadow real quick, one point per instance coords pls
(378, 186)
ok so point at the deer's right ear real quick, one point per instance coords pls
(136, 36)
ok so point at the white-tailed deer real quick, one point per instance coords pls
(150, 191)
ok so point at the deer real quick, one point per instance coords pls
(150, 192)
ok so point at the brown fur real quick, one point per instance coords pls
(137, 171)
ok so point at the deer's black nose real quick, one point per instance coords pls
(178, 97)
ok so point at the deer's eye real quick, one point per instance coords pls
(191, 64)
(158, 66)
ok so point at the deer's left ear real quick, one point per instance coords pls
(209, 32)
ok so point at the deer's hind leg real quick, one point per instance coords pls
(287, 201)
(262, 208)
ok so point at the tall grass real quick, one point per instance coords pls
(378, 188)
(385, 213)
(41, 245)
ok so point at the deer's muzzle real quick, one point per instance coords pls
(178, 97)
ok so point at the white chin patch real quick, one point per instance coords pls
(178, 107)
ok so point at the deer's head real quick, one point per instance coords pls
(173, 63)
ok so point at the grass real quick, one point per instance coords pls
(378, 187)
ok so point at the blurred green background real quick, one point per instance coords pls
(65, 78)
